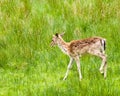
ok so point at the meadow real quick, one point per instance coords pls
(30, 67)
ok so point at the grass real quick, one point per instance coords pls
(29, 67)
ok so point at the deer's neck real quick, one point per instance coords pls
(63, 46)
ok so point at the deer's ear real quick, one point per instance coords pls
(62, 33)
(56, 34)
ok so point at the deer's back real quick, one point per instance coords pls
(84, 45)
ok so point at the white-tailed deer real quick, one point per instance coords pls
(76, 48)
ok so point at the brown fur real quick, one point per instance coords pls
(84, 44)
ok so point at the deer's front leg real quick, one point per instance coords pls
(68, 68)
(78, 66)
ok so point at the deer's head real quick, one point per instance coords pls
(56, 38)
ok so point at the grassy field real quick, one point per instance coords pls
(30, 67)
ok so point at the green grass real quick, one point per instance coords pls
(30, 67)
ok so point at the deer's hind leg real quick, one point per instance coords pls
(103, 67)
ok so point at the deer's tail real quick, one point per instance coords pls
(103, 43)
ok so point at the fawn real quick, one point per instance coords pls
(74, 49)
